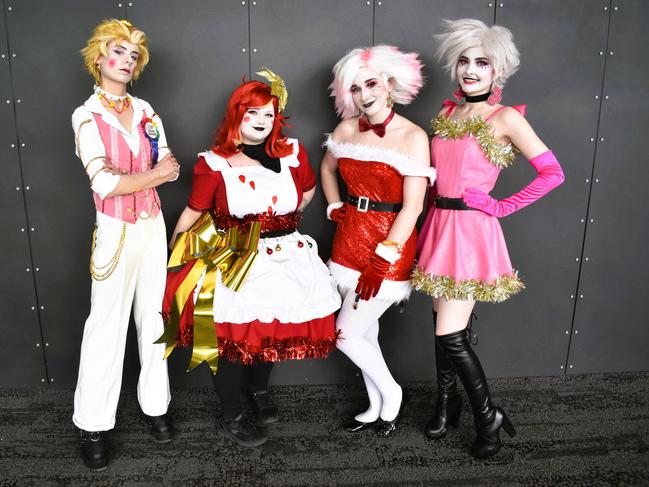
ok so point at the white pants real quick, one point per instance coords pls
(138, 281)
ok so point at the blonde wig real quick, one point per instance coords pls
(497, 42)
(114, 30)
(402, 69)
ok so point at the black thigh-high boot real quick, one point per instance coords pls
(449, 403)
(260, 397)
(227, 382)
(488, 418)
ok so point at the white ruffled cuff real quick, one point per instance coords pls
(332, 207)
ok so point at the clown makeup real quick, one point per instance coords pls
(118, 66)
(474, 71)
(370, 94)
(257, 123)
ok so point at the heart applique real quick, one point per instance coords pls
(252, 184)
(270, 210)
(274, 199)
(242, 178)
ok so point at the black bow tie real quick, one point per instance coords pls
(258, 153)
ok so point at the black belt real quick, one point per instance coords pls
(363, 203)
(450, 203)
(277, 233)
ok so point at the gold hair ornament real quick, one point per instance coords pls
(277, 87)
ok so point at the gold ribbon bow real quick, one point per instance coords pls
(230, 251)
(277, 87)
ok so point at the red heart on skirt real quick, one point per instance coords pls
(252, 184)
(242, 178)
(274, 199)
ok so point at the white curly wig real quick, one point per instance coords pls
(402, 69)
(497, 41)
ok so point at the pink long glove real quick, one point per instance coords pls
(550, 175)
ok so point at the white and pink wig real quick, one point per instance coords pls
(497, 42)
(402, 69)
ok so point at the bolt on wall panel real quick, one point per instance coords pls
(559, 76)
(301, 40)
(21, 357)
(408, 338)
(610, 330)
(197, 59)
(49, 80)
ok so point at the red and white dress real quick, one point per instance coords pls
(377, 174)
(285, 307)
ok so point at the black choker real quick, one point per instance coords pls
(477, 98)
(258, 153)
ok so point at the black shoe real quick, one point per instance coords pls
(447, 413)
(262, 403)
(243, 432)
(487, 442)
(93, 450)
(386, 428)
(353, 425)
(162, 428)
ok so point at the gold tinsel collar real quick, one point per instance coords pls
(500, 155)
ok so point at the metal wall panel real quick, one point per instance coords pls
(196, 61)
(201, 49)
(49, 81)
(407, 338)
(21, 355)
(561, 72)
(301, 40)
(610, 331)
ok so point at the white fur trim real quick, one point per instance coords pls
(346, 279)
(388, 253)
(397, 160)
(332, 207)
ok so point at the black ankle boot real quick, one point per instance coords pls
(488, 419)
(93, 449)
(162, 428)
(242, 431)
(262, 403)
(449, 403)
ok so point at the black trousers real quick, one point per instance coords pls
(231, 377)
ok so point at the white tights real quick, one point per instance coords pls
(359, 332)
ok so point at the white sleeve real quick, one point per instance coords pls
(90, 149)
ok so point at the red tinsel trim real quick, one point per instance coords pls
(269, 222)
(271, 349)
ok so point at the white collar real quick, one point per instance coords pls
(94, 105)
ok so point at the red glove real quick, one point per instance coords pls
(371, 277)
(337, 215)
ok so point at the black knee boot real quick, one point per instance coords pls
(488, 418)
(449, 402)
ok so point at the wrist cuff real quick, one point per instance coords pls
(388, 253)
(332, 207)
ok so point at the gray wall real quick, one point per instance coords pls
(581, 250)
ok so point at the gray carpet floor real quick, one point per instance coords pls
(572, 431)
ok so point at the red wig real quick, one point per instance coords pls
(228, 136)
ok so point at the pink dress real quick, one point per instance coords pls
(462, 253)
